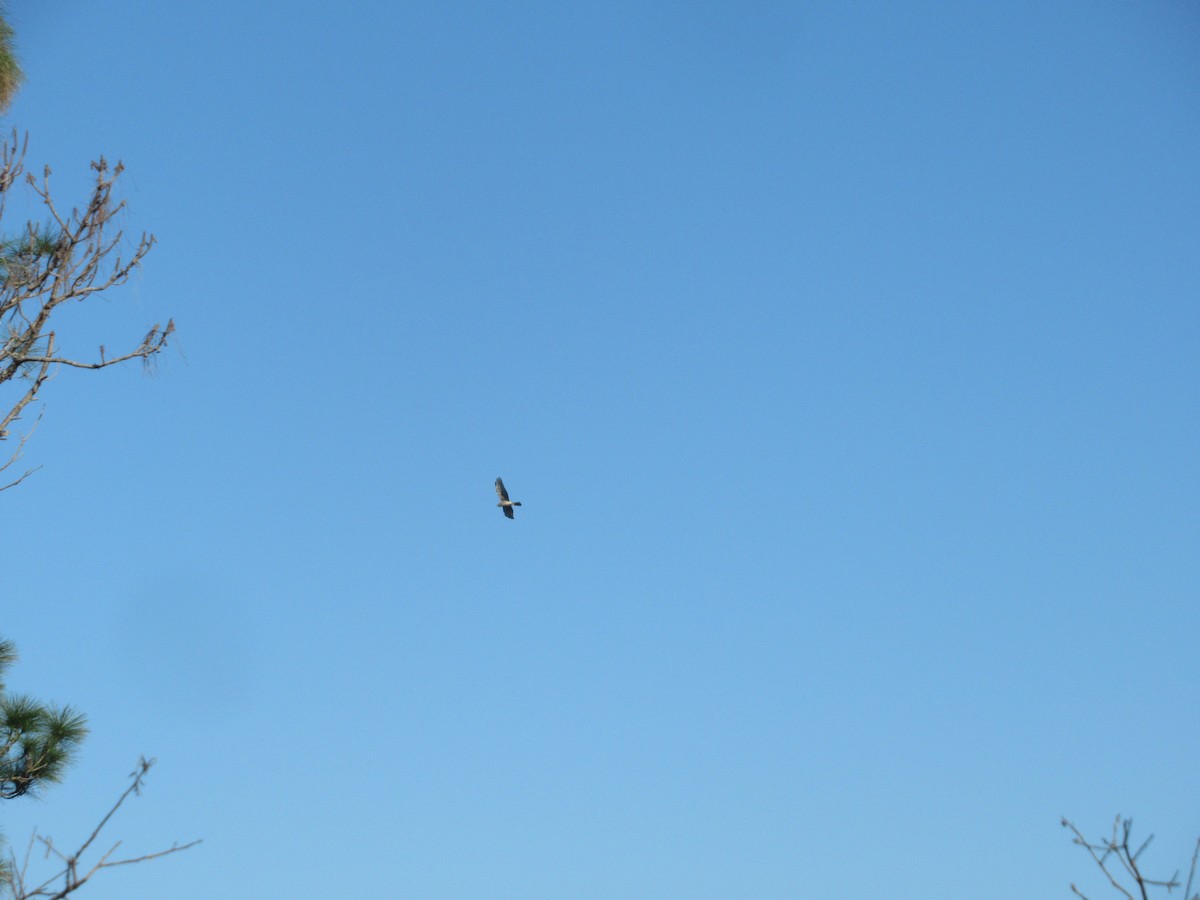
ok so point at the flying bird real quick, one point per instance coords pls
(505, 504)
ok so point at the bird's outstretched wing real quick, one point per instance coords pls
(503, 496)
(507, 511)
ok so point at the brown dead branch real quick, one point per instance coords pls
(16, 455)
(70, 257)
(1116, 858)
(73, 875)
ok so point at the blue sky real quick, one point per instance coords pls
(843, 356)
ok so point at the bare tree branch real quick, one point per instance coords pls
(69, 257)
(69, 879)
(1187, 891)
(1117, 848)
(151, 344)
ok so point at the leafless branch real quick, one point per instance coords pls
(68, 257)
(1187, 891)
(16, 455)
(153, 342)
(19, 479)
(69, 878)
(1117, 860)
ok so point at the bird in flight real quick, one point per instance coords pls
(505, 504)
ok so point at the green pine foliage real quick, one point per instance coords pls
(11, 75)
(27, 259)
(37, 740)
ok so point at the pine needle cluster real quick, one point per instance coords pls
(11, 75)
(37, 740)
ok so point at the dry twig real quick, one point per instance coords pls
(69, 257)
(1117, 859)
(72, 877)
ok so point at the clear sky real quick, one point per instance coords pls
(843, 355)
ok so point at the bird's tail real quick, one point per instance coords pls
(516, 503)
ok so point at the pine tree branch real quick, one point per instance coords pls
(70, 257)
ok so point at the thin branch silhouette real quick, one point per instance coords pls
(73, 875)
(1115, 858)
(68, 257)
